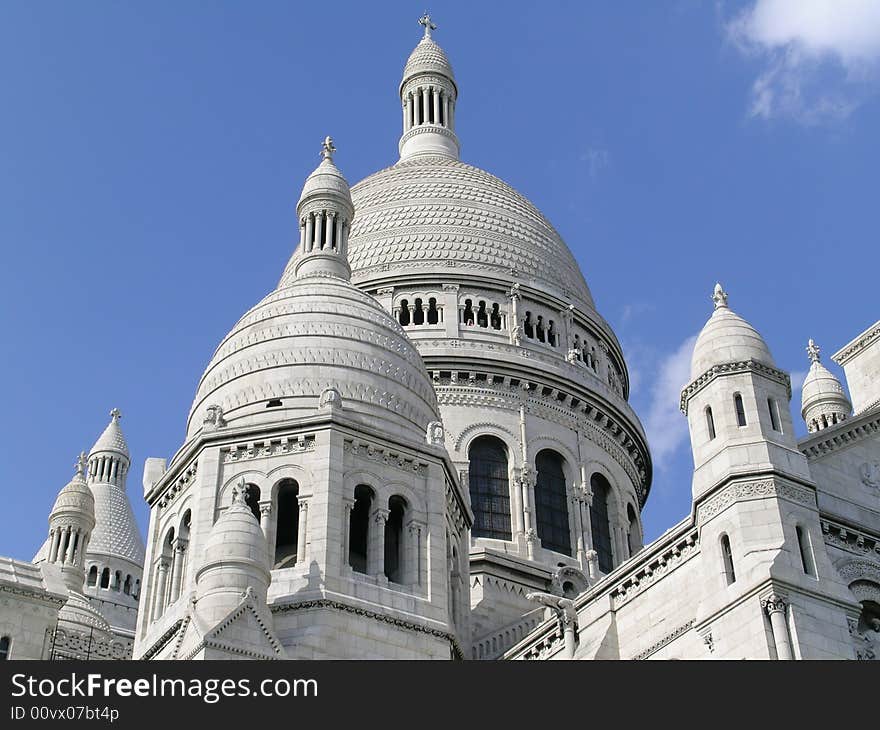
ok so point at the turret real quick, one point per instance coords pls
(823, 400)
(737, 403)
(235, 558)
(70, 527)
(325, 213)
(428, 94)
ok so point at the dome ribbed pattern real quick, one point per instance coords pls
(427, 57)
(317, 333)
(437, 212)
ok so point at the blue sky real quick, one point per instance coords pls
(151, 156)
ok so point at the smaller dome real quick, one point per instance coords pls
(823, 400)
(112, 438)
(727, 337)
(427, 58)
(77, 613)
(326, 180)
(236, 536)
(75, 501)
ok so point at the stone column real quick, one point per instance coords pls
(450, 304)
(54, 541)
(417, 107)
(406, 114)
(67, 546)
(436, 106)
(265, 515)
(515, 329)
(592, 558)
(302, 534)
(177, 569)
(161, 583)
(775, 605)
(319, 230)
(446, 111)
(310, 232)
(413, 554)
(347, 506)
(426, 102)
(376, 562)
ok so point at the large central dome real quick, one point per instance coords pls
(436, 213)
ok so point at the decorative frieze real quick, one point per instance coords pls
(384, 456)
(756, 489)
(849, 539)
(665, 641)
(732, 368)
(263, 449)
(839, 437)
(652, 569)
(186, 478)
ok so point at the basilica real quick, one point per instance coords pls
(419, 446)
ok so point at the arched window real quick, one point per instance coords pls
(252, 499)
(740, 410)
(4, 648)
(806, 551)
(727, 560)
(482, 315)
(359, 528)
(489, 488)
(287, 524)
(551, 333)
(418, 313)
(710, 422)
(551, 503)
(394, 539)
(126, 587)
(599, 524)
(539, 329)
(632, 532)
(93, 575)
(105, 578)
(117, 582)
(404, 312)
(468, 314)
(433, 317)
(495, 318)
(774, 415)
(528, 327)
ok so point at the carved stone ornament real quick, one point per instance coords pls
(774, 603)
(214, 418)
(435, 435)
(330, 398)
(870, 474)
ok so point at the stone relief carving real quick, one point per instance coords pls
(870, 474)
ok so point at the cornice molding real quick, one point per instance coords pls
(733, 368)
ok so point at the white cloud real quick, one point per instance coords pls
(665, 425)
(821, 56)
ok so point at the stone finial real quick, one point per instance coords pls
(813, 351)
(435, 435)
(115, 414)
(82, 462)
(719, 296)
(425, 21)
(328, 148)
(240, 493)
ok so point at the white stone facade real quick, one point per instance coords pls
(419, 446)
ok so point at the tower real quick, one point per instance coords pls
(755, 504)
(115, 557)
(323, 517)
(530, 379)
(823, 400)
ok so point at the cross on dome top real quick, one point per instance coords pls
(328, 148)
(719, 296)
(425, 21)
(115, 414)
(813, 351)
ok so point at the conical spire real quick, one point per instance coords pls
(112, 439)
(325, 213)
(428, 94)
(823, 400)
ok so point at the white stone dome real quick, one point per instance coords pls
(725, 338)
(112, 439)
(428, 58)
(823, 399)
(326, 180)
(77, 613)
(430, 213)
(316, 333)
(74, 504)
